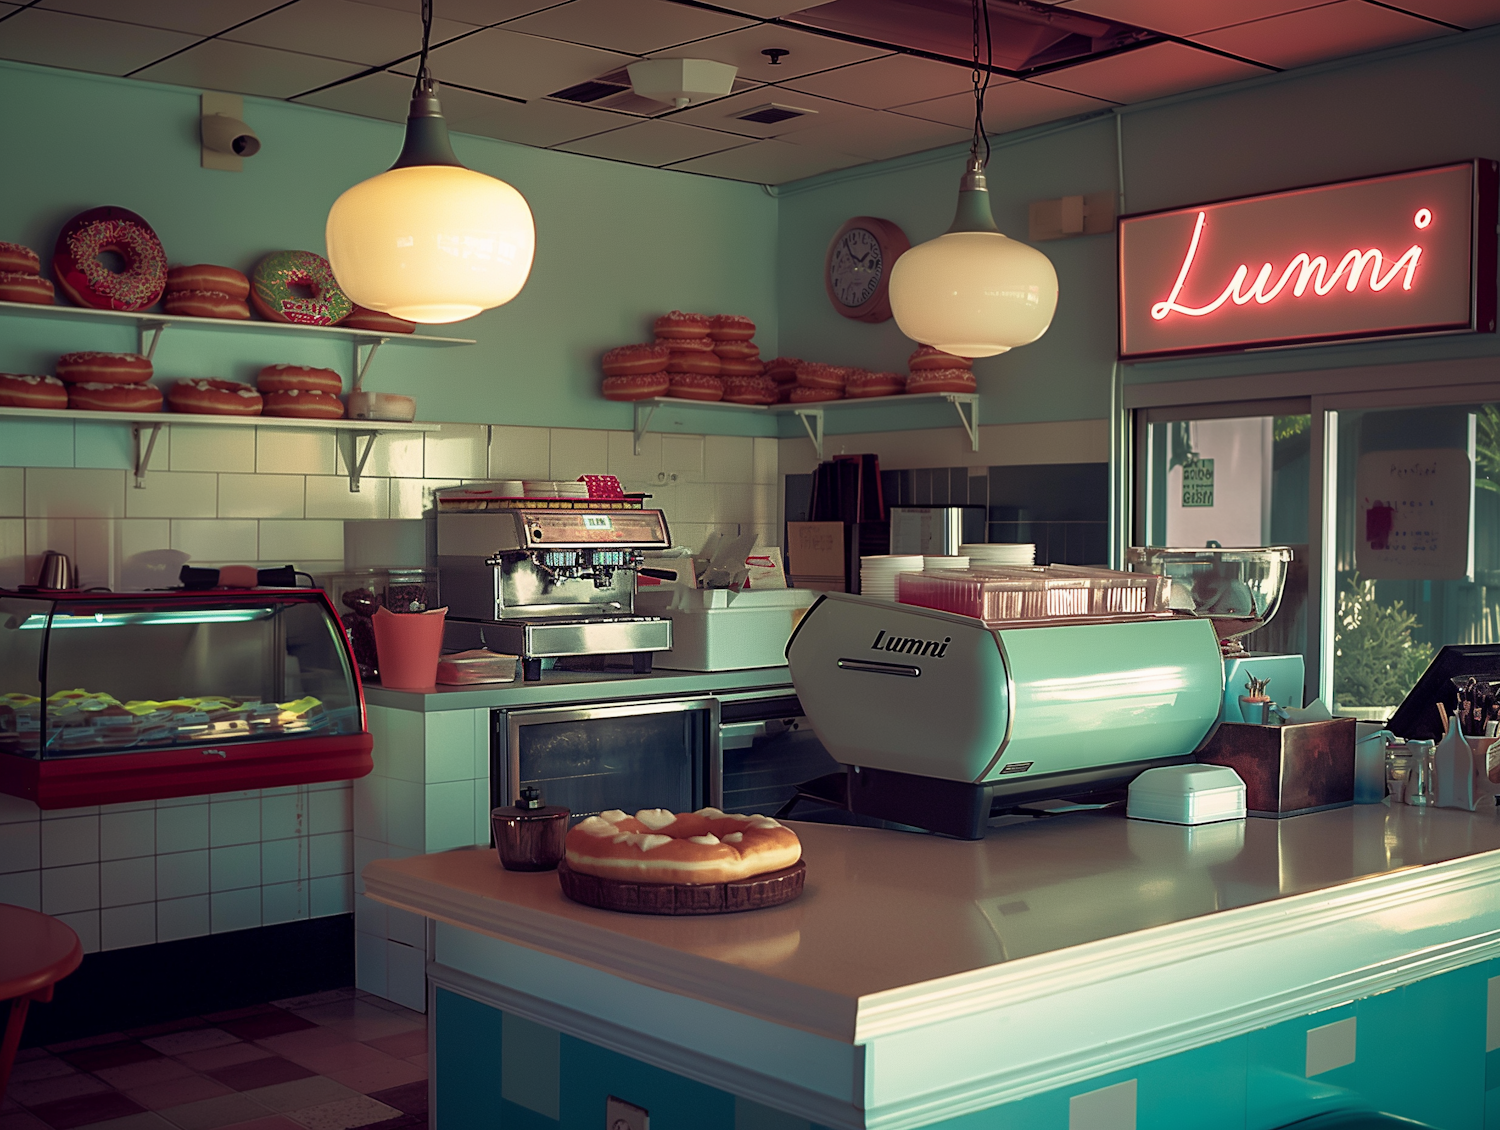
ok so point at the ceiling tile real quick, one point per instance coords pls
(879, 134)
(343, 29)
(541, 122)
(721, 113)
(475, 13)
(636, 27)
(381, 95)
(216, 64)
(770, 162)
(523, 66)
(886, 82)
(1327, 32)
(1149, 72)
(1464, 13)
(192, 16)
(770, 9)
(655, 143)
(57, 39)
(743, 49)
(1185, 17)
(1008, 106)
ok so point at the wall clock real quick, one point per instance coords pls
(857, 270)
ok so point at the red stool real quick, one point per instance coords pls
(36, 952)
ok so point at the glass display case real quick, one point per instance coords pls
(112, 697)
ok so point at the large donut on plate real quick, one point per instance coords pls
(636, 386)
(211, 397)
(16, 286)
(21, 390)
(20, 259)
(695, 386)
(90, 367)
(940, 380)
(657, 846)
(88, 282)
(298, 287)
(205, 304)
(303, 378)
(628, 360)
(680, 325)
(205, 276)
(931, 357)
(95, 397)
(304, 403)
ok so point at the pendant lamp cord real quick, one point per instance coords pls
(424, 76)
(981, 81)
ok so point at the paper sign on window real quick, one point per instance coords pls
(1413, 515)
(1198, 482)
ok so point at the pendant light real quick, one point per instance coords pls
(430, 240)
(972, 291)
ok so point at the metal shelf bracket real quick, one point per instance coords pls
(355, 458)
(362, 365)
(644, 410)
(143, 457)
(969, 420)
(812, 421)
(154, 330)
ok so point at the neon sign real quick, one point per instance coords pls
(1377, 257)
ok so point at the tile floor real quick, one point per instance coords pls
(337, 1060)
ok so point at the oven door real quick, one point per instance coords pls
(652, 754)
(768, 749)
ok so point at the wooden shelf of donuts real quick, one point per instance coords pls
(811, 414)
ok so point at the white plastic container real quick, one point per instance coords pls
(1187, 794)
(723, 630)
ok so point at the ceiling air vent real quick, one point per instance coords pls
(586, 92)
(772, 113)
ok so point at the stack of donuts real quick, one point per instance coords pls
(108, 382)
(782, 373)
(694, 357)
(21, 277)
(740, 367)
(692, 365)
(636, 372)
(932, 370)
(302, 391)
(205, 291)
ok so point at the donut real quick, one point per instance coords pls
(298, 287)
(214, 398)
(305, 378)
(729, 367)
(304, 402)
(730, 327)
(783, 370)
(931, 357)
(19, 390)
(813, 374)
(103, 368)
(88, 282)
(626, 360)
(687, 344)
(205, 276)
(801, 394)
(18, 259)
(678, 325)
(737, 350)
(749, 390)
(94, 397)
(205, 304)
(862, 383)
(695, 386)
(940, 380)
(377, 321)
(705, 363)
(18, 287)
(635, 386)
(657, 846)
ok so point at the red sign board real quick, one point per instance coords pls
(1408, 253)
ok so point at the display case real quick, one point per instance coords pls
(113, 697)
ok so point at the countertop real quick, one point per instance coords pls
(567, 687)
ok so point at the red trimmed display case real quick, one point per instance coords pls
(113, 697)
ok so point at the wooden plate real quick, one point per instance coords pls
(770, 889)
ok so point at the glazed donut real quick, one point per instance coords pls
(862, 383)
(813, 374)
(205, 304)
(729, 367)
(94, 397)
(705, 363)
(103, 368)
(738, 350)
(940, 380)
(687, 344)
(18, 390)
(209, 397)
(279, 280)
(931, 357)
(21, 260)
(205, 276)
(749, 390)
(783, 370)
(377, 321)
(679, 325)
(304, 402)
(627, 360)
(730, 327)
(18, 287)
(695, 386)
(636, 386)
(657, 846)
(304, 378)
(801, 394)
(88, 282)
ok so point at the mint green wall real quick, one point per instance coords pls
(617, 244)
(1399, 109)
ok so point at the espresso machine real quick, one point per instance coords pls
(542, 582)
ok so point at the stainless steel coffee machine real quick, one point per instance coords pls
(546, 583)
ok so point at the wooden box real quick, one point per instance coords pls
(1288, 770)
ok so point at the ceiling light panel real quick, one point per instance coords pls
(1150, 72)
(523, 66)
(57, 39)
(770, 162)
(1185, 17)
(636, 27)
(886, 82)
(191, 16)
(655, 143)
(806, 52)
(1327, 32)
(343, 29)
(242, 68)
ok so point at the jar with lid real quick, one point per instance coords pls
(529, 834)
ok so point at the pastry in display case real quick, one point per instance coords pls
(113, 697)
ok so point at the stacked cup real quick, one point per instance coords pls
(877, 575)
(1000, 553)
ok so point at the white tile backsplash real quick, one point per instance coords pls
(12, 492)
(182, 827)
(181, 918)
(226, 540)
(682, 455)
(231, 868)
(233, 821)
(68, 889)
(86, 925)
(520, 453)
(22, 888)
(293, 451)
(459, 451)
(72, 492)
(728, 459)
(13, 552)
(126, 881)
(261, 496)
(20, 846)
(123, 926)
(70, 840)
(209, 449)
(578, 451)
(171, 494)
(182, 873)
(329, 496)
(301, 542)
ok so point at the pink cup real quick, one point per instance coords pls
(407, 645)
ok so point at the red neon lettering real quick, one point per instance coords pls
(1308, 269)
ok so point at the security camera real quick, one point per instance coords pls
(224, 134)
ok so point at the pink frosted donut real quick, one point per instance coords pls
(88, 282)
